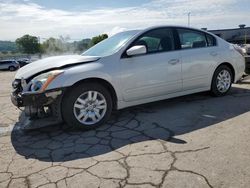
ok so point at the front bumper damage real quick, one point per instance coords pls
(39, 108)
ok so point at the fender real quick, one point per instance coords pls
(78, 73)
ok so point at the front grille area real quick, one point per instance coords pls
(16, 93)
(17, 86)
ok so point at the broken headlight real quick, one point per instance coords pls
(41, 82)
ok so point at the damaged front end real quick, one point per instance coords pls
(37, 102)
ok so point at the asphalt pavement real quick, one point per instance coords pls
(192, 141)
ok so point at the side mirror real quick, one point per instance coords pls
(137, 50)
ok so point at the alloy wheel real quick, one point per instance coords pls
(223, 81)
(90, 107)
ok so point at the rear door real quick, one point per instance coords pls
(197, 56)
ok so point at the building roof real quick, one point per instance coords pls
(245, 28)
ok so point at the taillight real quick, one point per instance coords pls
(240, 50)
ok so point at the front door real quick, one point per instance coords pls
(156, 73)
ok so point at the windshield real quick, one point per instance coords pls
(110, 45)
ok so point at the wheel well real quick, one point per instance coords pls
(11, 66)
(231, 68)
(103, 82)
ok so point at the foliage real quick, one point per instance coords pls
(28, 44)
(81, 46)
(95, 40)
(62, 45)
(53, 45)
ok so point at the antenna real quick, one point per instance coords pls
(189, 14)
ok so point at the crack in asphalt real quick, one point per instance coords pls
(173, 168)
(124, 157)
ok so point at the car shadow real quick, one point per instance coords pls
(163, 120)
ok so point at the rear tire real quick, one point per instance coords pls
(222, 81)
(87, 106)
(11, 68)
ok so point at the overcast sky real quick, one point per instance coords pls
(81, 19)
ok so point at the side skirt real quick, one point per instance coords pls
(123, 104)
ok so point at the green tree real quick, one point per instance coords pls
(28, 44)
(4, 52)
(81, 46)
(95, 40)
(53, 45)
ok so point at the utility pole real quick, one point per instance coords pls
(245, 36)
(189, 14)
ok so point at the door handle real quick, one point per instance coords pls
(213, 53)
(173, 61)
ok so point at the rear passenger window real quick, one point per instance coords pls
(211, 41)
(191, 39)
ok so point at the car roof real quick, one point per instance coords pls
(140, 31)
(161, 26)
(179, 26)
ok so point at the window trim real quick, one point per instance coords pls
(177, 43)
(5, 62)
(198, 31)
(124, 54)
(214, 39)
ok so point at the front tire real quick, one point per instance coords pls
(222, 81)
(87, 106)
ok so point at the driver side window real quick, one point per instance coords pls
(157, 40)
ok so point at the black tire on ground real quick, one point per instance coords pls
(71, 96)
(11, 68)
(214, 90)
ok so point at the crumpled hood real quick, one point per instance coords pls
(52, 63)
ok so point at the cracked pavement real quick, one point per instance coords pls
(192, 141)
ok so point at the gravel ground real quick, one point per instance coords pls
(192, 141)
